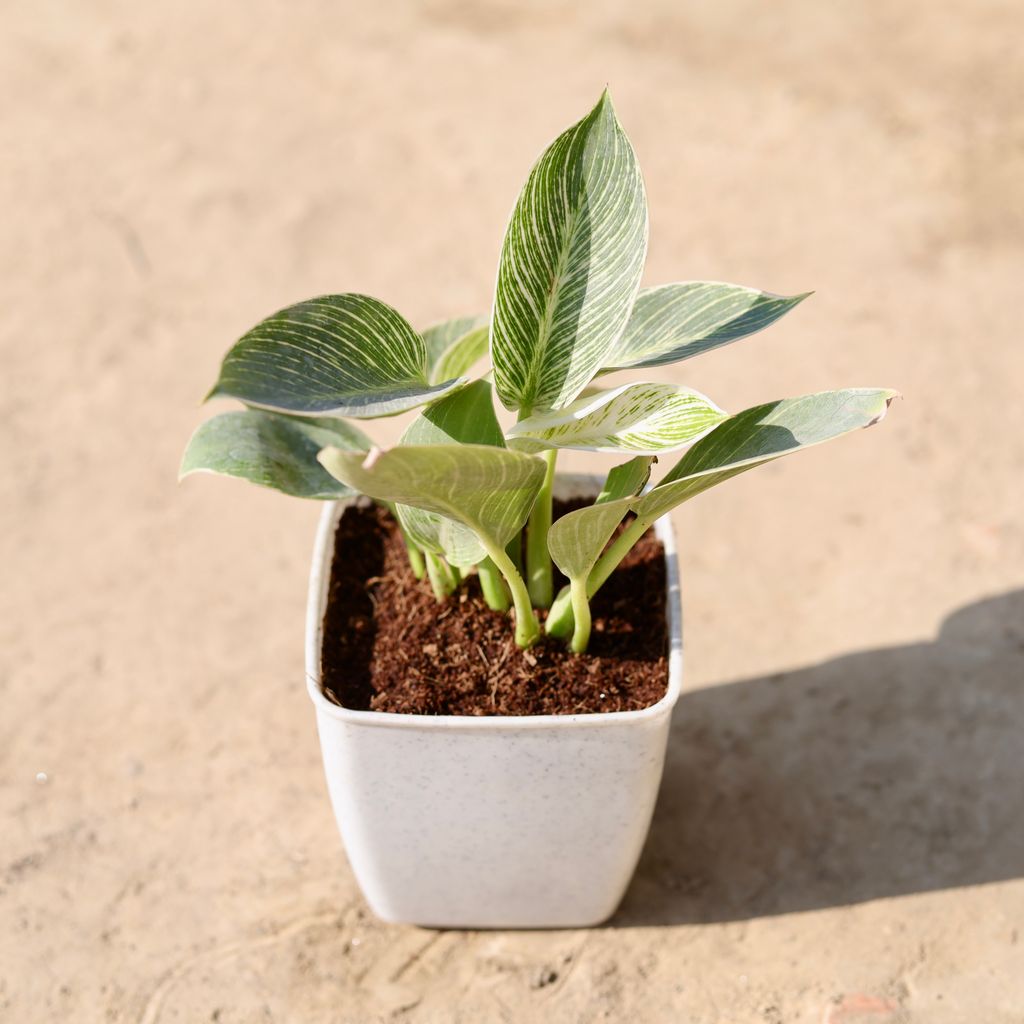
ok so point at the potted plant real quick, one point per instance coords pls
(511, 785)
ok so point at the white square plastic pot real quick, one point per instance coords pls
(492, 822)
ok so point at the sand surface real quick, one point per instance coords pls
(840, 836)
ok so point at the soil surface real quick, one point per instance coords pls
(390, 646)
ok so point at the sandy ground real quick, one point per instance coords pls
(840, 836)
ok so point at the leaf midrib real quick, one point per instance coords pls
(544, 332)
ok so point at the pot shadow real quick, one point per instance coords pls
(881, 773)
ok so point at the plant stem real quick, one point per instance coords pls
(441, 577)
(619, 548)
(581, 615)
(560, 619)
(527, 629)
(514, 550)
(538, 561)
(416, 562)
(493, 586)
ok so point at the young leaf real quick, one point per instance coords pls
(627, 479)
(577, 539)
(489, 490)
(466, 417)
(679, 321)
(647, 418)
(350, 355)
(570, 265)
(454, 346)
(272, 450)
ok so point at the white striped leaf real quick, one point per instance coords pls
(678, 321)
(454, 346)
(645, 418)
(751, 438)
(348, 355)
(272, 450)
(570, 265)
(487, 489)
(467, 417)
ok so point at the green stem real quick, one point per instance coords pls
(527, 629)
(493, 586)
(416, 562)
(559, 622)
(440, 574)
(617, 551)
(413, 549)
(514, 550)
(581, 615)
(538, 560)
(560, 619)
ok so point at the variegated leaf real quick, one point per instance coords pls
(490, 490)
(679, 321)
(348, 355)
(570, 265)
(467, 417)
(454, 346)
(646, 418)
(272, 450)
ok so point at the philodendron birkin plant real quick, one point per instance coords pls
(568, 309)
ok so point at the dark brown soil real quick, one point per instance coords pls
(390, 646)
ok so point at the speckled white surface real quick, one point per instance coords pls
(499, 822)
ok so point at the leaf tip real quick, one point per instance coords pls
(890, 395)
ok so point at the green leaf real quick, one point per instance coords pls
(570, 265)
(466, 417)
(763, 434)
(646, 418)
(454, 346)
(458, 358)
(489, 490)
(679, 321)
(577, 539)
(751, 438)
(350, 355)
(272, 450)
(626, 480)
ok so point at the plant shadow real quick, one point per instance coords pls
(881, 773)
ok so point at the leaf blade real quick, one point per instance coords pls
(627, 479)
(750, 438)
(454, 343)
(646, 418)
(570, 265)
(346, 355)
(762, 434)
(466, 417)
(577, 539)
(272, 450)
(678, 321)
(490, 490)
